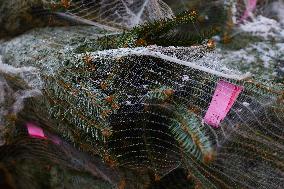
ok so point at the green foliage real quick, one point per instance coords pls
(164, 32)
(185, 125)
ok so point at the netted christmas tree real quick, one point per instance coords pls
(138, 99)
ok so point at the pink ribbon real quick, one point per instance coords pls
(223, 99)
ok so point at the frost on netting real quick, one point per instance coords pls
(27, 84)
(31, 84)
(116, 13)
(264, 27)
(198, 57)
(143, 109)
(258, 45)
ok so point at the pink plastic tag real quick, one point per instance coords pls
(251, 5)
(223, 99)
(35, 131)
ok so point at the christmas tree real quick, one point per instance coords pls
(123, 98)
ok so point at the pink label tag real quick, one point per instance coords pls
(35, 131)
(251, 5)
(223, 99)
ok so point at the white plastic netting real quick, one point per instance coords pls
(120, 14)
(142, 108)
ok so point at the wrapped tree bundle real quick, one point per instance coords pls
(145, 108)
